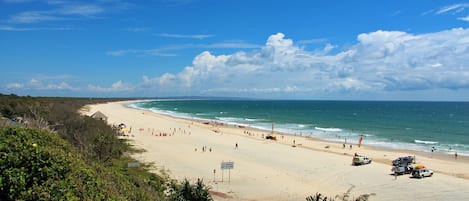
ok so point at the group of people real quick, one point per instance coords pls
(204, 149)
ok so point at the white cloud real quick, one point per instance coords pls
(60, 86)
(380, 61)
(11, 28)
(63, 10)
(14, 28)
(17, 1)
(118, 86)
(118, 53)
(43, 84)
(14, 86)
(33, 17)
(194, 36)
(456, 8)
(164, 51)
(149, 52)
(84, 10)
(313, 41)
(464, 18)
(137, 29)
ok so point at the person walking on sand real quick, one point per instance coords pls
(456, 155)
(236, 145)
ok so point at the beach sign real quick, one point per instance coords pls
(133, 164)
(227, 165)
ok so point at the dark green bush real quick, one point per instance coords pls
(66, 156)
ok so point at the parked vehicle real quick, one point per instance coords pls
(361, 160)
(421, 173)
(403, 161)
(400, 170)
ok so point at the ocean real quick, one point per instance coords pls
(420, 126)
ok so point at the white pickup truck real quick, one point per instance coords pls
(421, 173)
(361, 160)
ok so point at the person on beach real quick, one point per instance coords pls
(350, 146)
(236, 145)
(360, 141)
(456, 155)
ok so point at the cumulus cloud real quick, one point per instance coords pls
(118, 86)
(380, 61)
(38, 84)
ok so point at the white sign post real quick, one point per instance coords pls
(227, 165)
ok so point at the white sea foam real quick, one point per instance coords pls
(253, 120)
(326, 133)
(230, 119)
(425, 142)
(328, 129)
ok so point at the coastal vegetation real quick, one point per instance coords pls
(48, 151)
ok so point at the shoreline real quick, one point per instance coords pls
(266, 168)
(437, 154)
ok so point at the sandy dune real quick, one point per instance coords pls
(275, 170)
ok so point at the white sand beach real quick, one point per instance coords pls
(275, 170)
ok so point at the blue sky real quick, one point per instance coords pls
(340, 50)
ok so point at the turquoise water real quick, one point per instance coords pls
(401, 125)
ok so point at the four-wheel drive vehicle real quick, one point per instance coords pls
(361, 160)
(421, 173)
(403, 161)
(402, 170)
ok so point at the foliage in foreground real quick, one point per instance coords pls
(186, 192)
(38, 165)
(344, 197)
(61, 155)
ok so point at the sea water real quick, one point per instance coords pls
(421, 126)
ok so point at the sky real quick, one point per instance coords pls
(319, 50)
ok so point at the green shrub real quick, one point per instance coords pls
(66, 156)
(186, 192)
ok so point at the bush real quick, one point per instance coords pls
(38, 165)
(186, 192)
(66, 156)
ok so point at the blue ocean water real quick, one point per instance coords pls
(402, 125)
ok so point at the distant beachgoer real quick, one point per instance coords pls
(350, 146)
(360, 141)
(293, 141)
(210, 149)
(343, 145)
(195, 149)
(456, 155)
(236, 145)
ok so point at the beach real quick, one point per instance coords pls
(290, 168)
